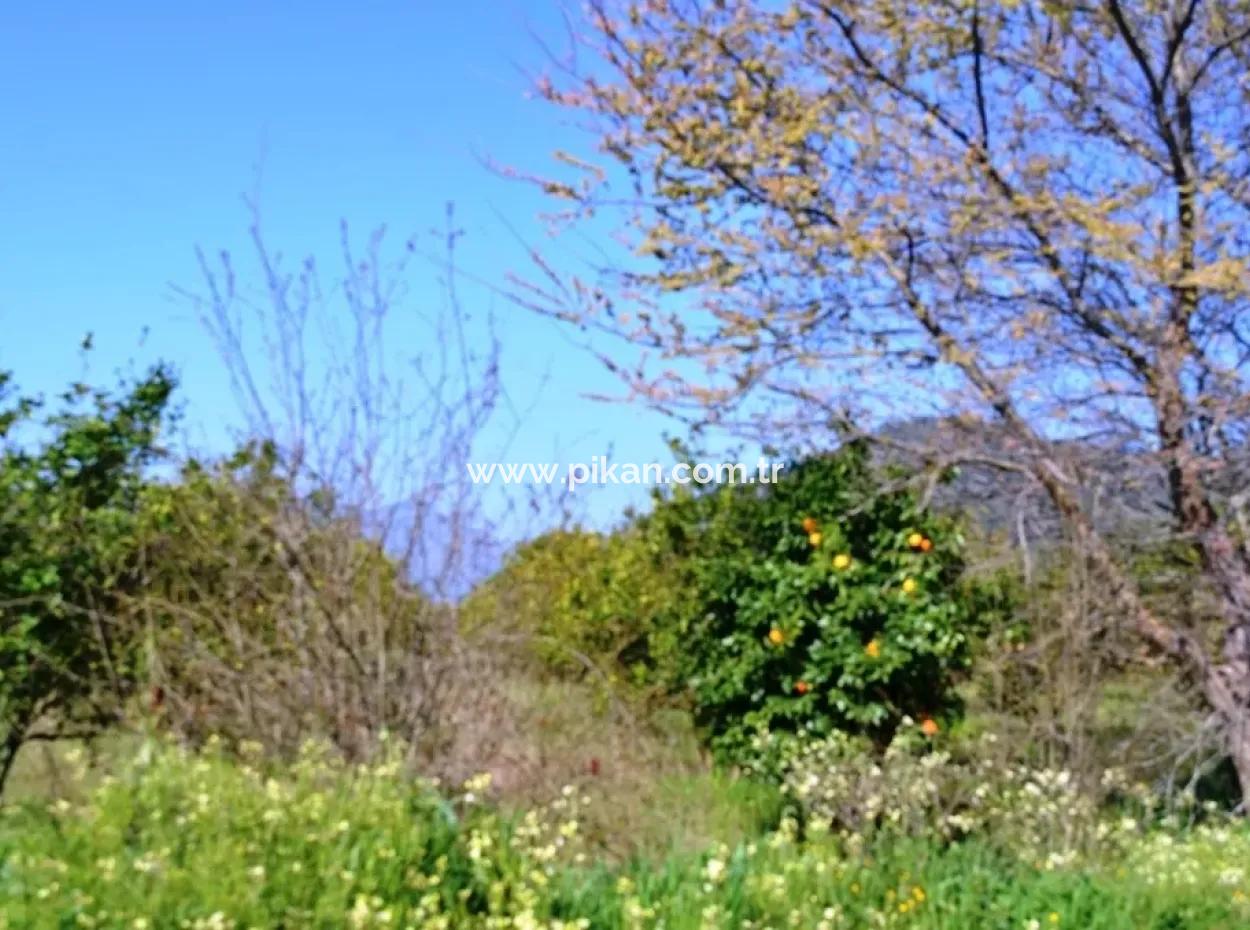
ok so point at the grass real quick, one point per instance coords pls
(204, 841)
(665, 796)
(46, 771)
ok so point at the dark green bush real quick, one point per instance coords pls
(818, 603)
(70, 492)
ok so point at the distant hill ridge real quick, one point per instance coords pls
(1124, 490)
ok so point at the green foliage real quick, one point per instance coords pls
(722, 595)
(236, 536)
(822, 602)
(271, 617)
(577, 597)
(71, 494)
(208, 842)
(210, 541)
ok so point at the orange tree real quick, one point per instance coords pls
(582, 602)
(820, 602)
(71, 484)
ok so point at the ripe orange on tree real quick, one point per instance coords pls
(810, 525)
(802, 687)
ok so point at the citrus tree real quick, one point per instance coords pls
(822, 602)
(70, 493)
(580, 601)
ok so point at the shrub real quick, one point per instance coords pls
(1043, 816)
(1069, 684)
(69, 502)
(274, 619)
(823, 602)
(581, 602)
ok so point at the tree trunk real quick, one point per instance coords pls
(1226, 682)
(8, 753)
(1226, 687)
(1239, 749)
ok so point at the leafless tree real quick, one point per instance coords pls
(317, 599)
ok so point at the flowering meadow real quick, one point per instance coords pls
(206, 840)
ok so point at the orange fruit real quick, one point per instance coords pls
(915, 540)
(873, 649)
(841, 561)
(810, 525)
(929, 727)
(814, 538)
(776, 637)
(926, 544)
(909, 585)
(802, 687)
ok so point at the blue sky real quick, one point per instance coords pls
(131, 130)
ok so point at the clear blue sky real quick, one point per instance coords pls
(131, 129)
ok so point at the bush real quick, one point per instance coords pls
(272, 618)
(69, 505)
(1069, 684)
(1042, 816)
(823, 602)
(580, 602)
